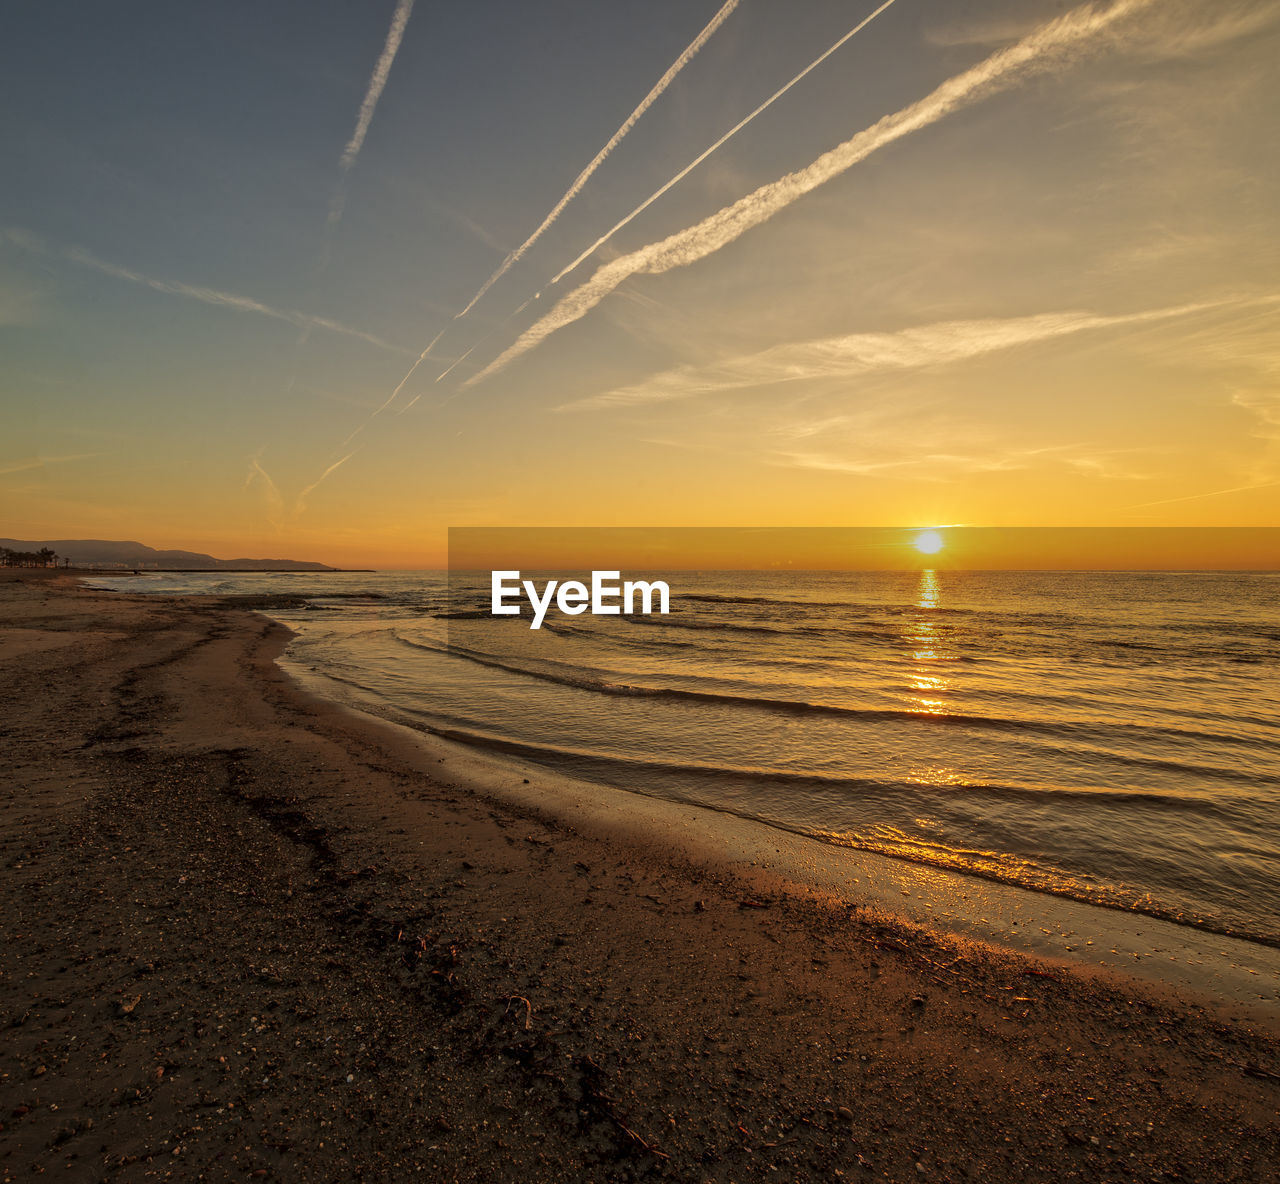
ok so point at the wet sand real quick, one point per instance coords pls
(250, 935)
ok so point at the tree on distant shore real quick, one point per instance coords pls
(45, 557)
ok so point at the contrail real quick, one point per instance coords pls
(300, 502)
(458, 362)
(665, 81)
(733, 131)
(222, 299)
(277, 510)
(275, 502)
(444, 374)
(338, 202)
(377, 81)
(422, 357)
(1059, 41)
(391, 398)
(1195, 497)
(32, 243)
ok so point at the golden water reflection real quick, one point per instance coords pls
(928, 684)
(929, 591)
(926, 679)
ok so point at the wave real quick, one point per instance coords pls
(579, 678)
(883, 635)
(865, 786)
(379, 596)
(720, 598)
(991, 866)
(721, 626)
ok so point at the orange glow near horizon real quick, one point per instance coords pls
(862, 549)
(798, 332)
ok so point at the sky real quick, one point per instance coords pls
(321, 280)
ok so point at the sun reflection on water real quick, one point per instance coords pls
(929, 591)
(927, 682)
(926, 679)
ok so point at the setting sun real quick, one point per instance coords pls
(928, 542)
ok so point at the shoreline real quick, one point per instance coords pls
(1010, 917)
(251, 933)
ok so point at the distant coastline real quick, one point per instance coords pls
(125, 570)
(128, 555)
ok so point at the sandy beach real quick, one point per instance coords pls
(250, 935)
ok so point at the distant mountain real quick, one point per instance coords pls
(106, 553)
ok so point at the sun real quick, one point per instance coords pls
(928, 542)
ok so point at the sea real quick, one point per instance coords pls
(1109, 737)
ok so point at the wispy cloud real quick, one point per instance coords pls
(873, 459)
(1191, 29)
(1237, 361)
(910, 437)
(923, 441)
(473, 227)
(38, 462)
(1177, 28)
(212, 296)
(23, 299)
(1263, 403)
(946, 459)
(862, 353)
(985, 31)
(661, 85)
(733, 131)
(1053, 46)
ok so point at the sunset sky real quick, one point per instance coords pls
(991, 262)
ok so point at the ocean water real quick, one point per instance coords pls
(1113, 737)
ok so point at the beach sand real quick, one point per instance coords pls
(251, 935)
